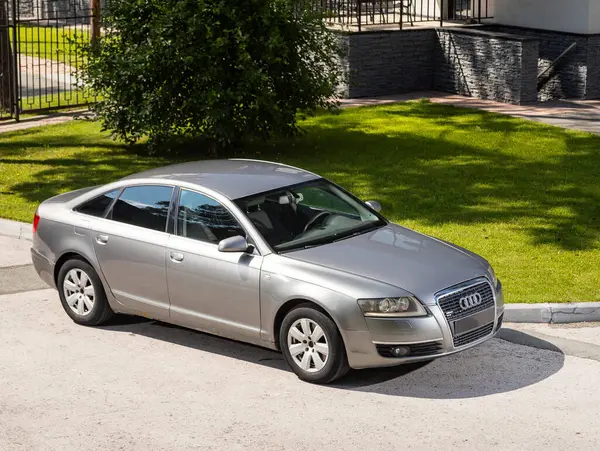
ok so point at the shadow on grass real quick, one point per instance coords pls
(554, 195)
(429, 176)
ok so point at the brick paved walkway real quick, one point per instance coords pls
(577, 115)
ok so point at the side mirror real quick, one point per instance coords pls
(233, 244)
(374, 205)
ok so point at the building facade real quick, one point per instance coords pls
(514, 51)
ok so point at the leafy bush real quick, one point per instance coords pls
(225, 70)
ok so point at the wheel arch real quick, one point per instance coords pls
(290, 305)
(64, 258)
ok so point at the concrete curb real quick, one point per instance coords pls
(514, 313)
(576, 312)
(15, 229)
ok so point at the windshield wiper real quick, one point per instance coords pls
(314, 243)
(339, 236)
(360, 231)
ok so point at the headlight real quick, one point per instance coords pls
(404, 306)
(492, 275)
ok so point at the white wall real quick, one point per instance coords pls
(594, 17)
(575, 16)
(424, 9)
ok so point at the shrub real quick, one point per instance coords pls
(225, 70)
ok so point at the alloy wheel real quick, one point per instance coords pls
(79, 291)
(308, 345)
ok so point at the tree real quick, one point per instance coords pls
(224, 70)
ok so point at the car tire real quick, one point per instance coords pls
(320, 361)
(82, 294)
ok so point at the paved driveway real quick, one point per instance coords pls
(142, 385)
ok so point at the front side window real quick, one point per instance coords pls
(309, 214)
(98, 205)
(204, 219)
(143, 206)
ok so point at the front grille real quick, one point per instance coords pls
(473, 335)
(499, 322)
(450, 303)
(416, 350)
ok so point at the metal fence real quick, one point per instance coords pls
(368, 13)
(38, 55)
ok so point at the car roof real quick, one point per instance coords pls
(233, 178)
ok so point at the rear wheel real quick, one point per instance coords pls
(82, 295)
(313, 346)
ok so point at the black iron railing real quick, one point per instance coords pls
(365, 13)
(38, 56)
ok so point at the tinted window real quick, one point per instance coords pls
(144, 206)
(97, 206)
(204, 219)
(319, 198)
(310, 214)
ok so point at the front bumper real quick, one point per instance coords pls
(425, 338)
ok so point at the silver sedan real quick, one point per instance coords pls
(268, 254)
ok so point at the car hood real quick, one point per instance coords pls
(400, 257)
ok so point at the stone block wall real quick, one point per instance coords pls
(491, 62)
(486, 65)
(482, 64)
(380, 63)
(592, 88)
(576, 76)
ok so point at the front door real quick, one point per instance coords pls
(211, 290)
(130, 245)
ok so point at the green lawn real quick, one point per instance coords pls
(523, 195)
(53, 43)
(55, 100)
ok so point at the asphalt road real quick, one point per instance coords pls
(141, 385)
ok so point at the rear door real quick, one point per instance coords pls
(130, 245)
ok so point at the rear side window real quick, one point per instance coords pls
(143, 206)
(98, 205)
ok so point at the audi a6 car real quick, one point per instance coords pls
(267, 254)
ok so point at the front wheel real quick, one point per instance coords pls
(313, 346)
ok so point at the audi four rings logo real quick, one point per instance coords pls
(470, 301)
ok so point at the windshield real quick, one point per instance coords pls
(309, 214)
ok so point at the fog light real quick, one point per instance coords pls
(400, 351)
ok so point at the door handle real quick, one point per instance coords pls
(176, 257)
(102, 239)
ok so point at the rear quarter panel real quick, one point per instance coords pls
(62, 231)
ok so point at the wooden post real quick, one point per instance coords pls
(95, 4)
(442, 13)
(401, 13)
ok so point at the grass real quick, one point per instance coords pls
(55, 100)
(524, 195)
(54, 43)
